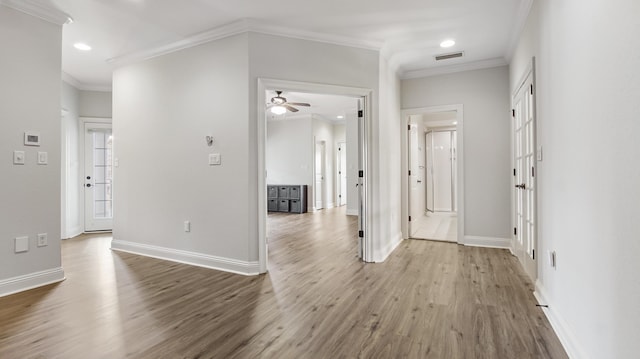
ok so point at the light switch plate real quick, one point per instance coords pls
(22, 244)
(214, 159)
(18, 157)
(42, 239)
(43, 158)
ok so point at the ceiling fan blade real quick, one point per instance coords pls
(299, 104)
(290, 108)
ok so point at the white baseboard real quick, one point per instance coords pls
(330, 205)
(30, 281)
(352, 212)
(559, 325)
(186, 257)
(488, 242)
(388, 249)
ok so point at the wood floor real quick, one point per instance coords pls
(428, 300)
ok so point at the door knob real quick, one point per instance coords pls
(521, 186)
(88, 184)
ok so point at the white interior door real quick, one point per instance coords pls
(319, 175)
(524, 146)
(417, 195)
(342, 174)
(98, 177)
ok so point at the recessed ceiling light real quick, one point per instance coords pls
(455, 122)
(82, 46)
(447, 43)
(340, 117)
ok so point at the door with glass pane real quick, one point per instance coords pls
(98, 177)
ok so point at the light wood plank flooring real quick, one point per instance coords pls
(428, 300)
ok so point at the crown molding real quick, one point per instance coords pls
(40, 10)
(240, 27)
(82, 86)
(521, 20)
(476, 65)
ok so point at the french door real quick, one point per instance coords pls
(524, 156)
(98, 177)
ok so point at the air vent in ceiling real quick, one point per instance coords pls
(449, 56)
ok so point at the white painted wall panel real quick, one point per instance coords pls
(30, 91)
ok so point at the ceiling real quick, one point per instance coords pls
(408, 32)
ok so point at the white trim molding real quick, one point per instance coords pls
(40, 10)
(30, 281)
(240, 27)
(521, 20)
(443, 70)
(383, 253)
(559, 325)
(82, 86)
(352, 212)
(487, 242)
(187, 257)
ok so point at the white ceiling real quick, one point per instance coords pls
(408, 32)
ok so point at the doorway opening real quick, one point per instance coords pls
(307, 150)
(433, 165)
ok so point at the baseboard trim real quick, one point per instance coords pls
(559, 325)
(186, 257)
(388, 249)
(30, 281)
(352, 212)
(488, 242)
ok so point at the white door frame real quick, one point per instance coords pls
(322, 170)
(340, 189)
(459, 108)
(82, 122)
(261, 99)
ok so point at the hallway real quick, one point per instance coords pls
(428, 300)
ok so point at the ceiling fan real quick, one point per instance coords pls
(279, 104)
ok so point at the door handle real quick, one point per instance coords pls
(88, 184)
(419, 181)
(521, 186)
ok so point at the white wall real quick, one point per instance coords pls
(95, 104)
(588, 85)
(387, 150)
(485, 97)
(289, 152)
(30, 193)
(163, 109)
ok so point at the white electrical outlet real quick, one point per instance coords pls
(214, 159)
(22, 244)
(42, 239)
(187, 226)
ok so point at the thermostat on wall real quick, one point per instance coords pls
(31, 139)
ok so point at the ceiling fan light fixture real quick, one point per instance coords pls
(278, 110)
